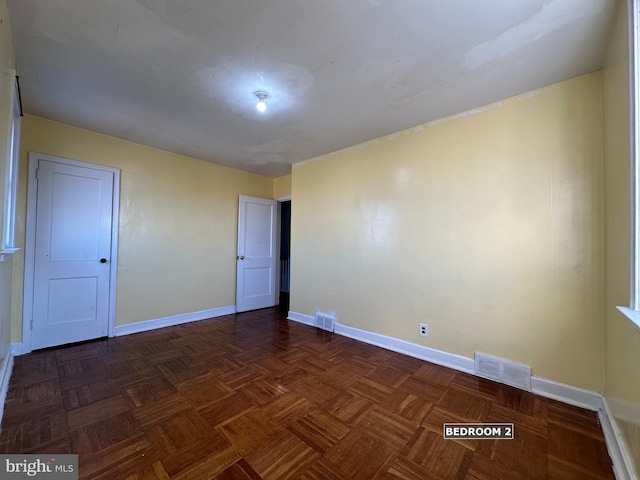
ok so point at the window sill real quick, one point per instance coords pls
(633, 315)
(7, 253)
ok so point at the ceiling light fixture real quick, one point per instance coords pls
(261, 95)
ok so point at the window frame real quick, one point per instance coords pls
(633, 311)
(8, 245)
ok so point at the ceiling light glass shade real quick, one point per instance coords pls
(261, 105)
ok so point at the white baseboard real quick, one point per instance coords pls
(451, 360)
(578, 397)
(301, 318)
(5, 375)
(623, 467)
(154, 323)
(17, 348)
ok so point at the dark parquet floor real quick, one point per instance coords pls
(255, 396)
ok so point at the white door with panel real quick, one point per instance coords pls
(256, 259)
(72, 253)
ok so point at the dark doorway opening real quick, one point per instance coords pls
(285, 253)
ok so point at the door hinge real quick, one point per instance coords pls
(38, 173)
(31, 325)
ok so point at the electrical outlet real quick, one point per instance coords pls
(424, 330)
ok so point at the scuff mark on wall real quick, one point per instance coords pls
(528, 95)
(468, 113)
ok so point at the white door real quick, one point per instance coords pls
(72, 253)
(256, 259)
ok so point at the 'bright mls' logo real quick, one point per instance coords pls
(30, 468)
(58, 467)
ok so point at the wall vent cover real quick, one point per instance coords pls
(326, 321)
(503, 371)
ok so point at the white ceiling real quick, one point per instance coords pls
(180, 74)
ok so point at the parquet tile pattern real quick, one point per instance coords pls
(254, 396)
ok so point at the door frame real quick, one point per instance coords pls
(284, 198)
(30, 242)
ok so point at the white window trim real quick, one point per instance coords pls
(8, 246)
(633, 311)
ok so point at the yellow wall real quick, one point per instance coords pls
(178, 221)
(282, 186)
(622, 338)
(490, 227)
(6, 98)
(486, 226)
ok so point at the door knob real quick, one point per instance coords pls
(240, 257)
(103, 260)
